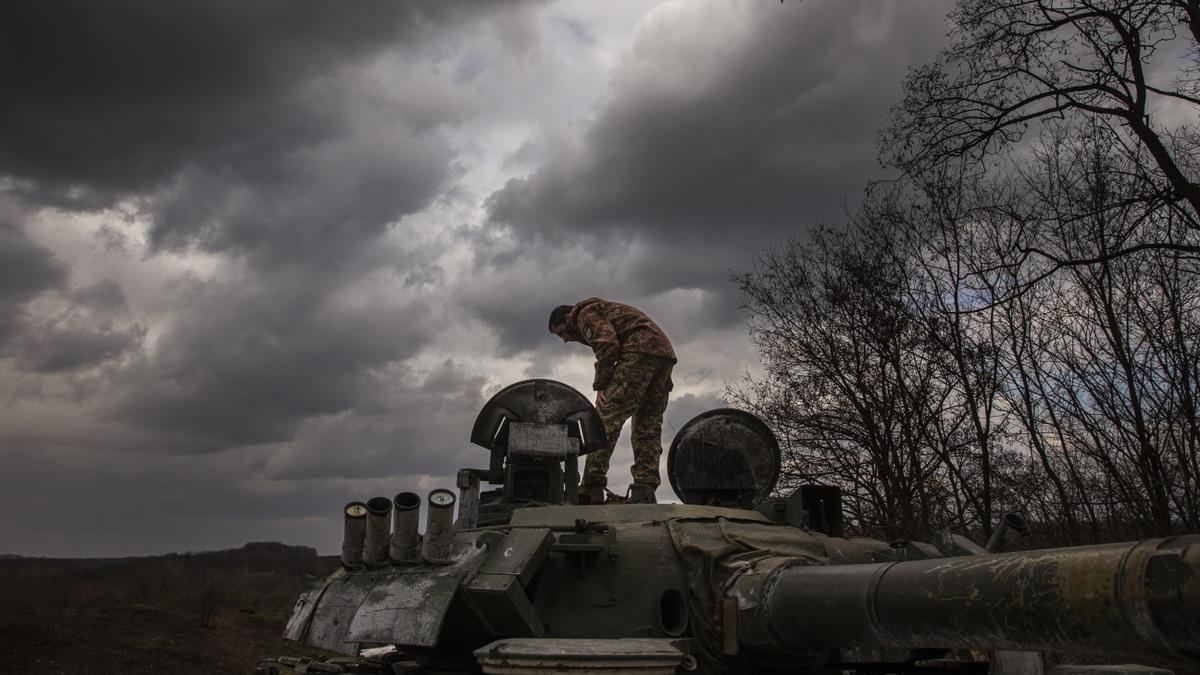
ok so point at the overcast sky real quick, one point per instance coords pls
(258, 259)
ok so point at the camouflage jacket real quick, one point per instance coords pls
(611, 329)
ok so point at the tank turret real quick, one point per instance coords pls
(732, 580)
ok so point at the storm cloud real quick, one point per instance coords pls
(257, 259)
(117, 99)
(26, 270)
(729, 127)
(727, 118)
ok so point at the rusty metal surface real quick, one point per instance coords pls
(1135, 598)
(1006, 662)
(724, 456)
(498, 592)
(503, 606)
(354, 532)
(519, 553)
(333, 612)
(405, 543)
(437, 544)
(393, 605)
(610, 590)
(550, 655)
(564, 517)
(1119, 669)
(306, 605)
(541, 401)
(540, 440)
(406, 608)
(379, 531)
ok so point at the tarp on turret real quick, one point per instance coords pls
(715, 551)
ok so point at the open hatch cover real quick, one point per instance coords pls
(538, 401)
(724, 457)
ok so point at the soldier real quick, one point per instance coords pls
(634, 359)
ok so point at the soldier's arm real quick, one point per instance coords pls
(601, 335)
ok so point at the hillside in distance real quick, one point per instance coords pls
(212, 611)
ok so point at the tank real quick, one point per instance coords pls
(738, 578)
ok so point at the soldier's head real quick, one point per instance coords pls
(558, 322)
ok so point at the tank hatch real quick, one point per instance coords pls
(539, 402)
(724, 457)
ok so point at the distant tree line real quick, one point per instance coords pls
(1014, 324)
(259, 577)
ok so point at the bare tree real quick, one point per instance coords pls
(937, 224)
(1102, 358)
(1020, 331)
(1027, 395)
(208, 596)
(848, 383)
(891, 370)
(1017, 63)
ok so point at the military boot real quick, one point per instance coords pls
(591, 494)
(611, 497)
(642, 493)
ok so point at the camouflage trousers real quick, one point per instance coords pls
(639, 388)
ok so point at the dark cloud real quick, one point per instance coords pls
(268, 133)
(68, 502)
(247, 360)
(514, 298)
(514, 295)
(325, 203)
(256, 329)
(517, 282)
(726, 129)
(113, 99)
(73, 344)
(685, 407)
(63, 499)
(723, 133)
(691, 264)
(576, 29)
(72, 329)
(104, 296)
(255, 128)
(85, 331)
(26, 269)
(430, 438)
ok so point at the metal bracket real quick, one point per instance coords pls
(468, 497)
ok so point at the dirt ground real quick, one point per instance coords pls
(215, 612)
(140, 639)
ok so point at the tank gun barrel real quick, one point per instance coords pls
(1131, 599)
